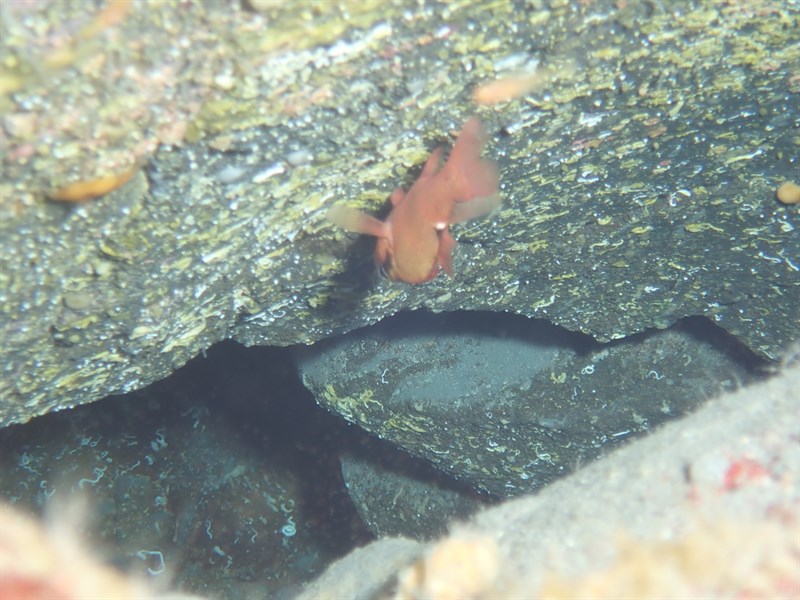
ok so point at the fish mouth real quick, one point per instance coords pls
(386, 270)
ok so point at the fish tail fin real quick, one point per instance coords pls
(471, 175)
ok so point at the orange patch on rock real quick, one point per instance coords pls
(788, 193)
(81, 191)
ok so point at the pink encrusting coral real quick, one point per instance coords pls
(50, 564)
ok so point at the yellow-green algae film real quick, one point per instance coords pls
(638, 185)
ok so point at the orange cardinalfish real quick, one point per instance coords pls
(415, 241)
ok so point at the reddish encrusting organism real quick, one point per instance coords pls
(743, 471)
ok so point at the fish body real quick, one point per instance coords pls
(415, 241)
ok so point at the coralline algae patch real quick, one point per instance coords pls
(87, 93)
(38, 563)
(713, 560)
(79, 117)
(720, 560)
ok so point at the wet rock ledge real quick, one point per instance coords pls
(638, 182)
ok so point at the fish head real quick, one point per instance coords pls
(383, 259)
(409, 256)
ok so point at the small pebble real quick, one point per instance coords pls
(79, 300)
(298, 158)
(271, 171)
(788, 193)
(224, 81)
(265, 5)
(20, 125)
(230, 174)
(103, 268)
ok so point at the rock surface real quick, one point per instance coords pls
(218, 480)
(638, 180)
(508, 404)
(707, 506)
(406, 497)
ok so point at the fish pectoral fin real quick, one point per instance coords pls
(474, 208)
(445, 254)
(356, 221)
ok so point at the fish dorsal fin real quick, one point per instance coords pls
(397, 196)
(432, 165)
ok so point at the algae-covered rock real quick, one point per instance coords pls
(637, 180)
(208, 480)
(507, 404)
(405, 496)
(662, 517)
